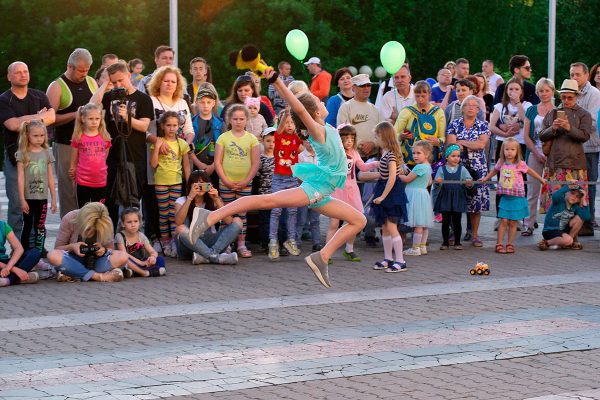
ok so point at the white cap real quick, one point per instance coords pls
(313, 60)
(360, 80)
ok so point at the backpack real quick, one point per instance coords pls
(423, 125)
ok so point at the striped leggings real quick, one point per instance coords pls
(228, 195)
(166, 195)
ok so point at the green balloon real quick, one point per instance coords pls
(392, 56)
(297, 44)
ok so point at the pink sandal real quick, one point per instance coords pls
(243, 252)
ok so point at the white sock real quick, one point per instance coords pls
(416, 239)
(424, 236)
(387, 247)
(397, 242)
(349, 247)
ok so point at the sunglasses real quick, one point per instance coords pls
(244, 78)
(527, 67)
(365, 85)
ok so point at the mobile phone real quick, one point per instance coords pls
(204, 187)
(560, 114)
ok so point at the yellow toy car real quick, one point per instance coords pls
(480, 269)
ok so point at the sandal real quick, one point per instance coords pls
(243, 252)
(510, 249)
(527, 232)
(576, 246)
(444, 247)
(500, 248)
(477, 243)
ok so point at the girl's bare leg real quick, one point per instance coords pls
(355, 222)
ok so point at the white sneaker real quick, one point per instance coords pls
(291, 247)
(114, 275)
(228, 258)
(157, 247)
(423, 249)
(166, 249)
(173, 247)
(198, 259)
(413, 251)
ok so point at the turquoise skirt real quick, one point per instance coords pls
(513, 208)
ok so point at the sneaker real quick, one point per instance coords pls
(438, 218)
(316, 247)
(160, 271)
(319, 268)
(43, 266)
(290, 245)
(413, 251)
(199, 223)
(397, 267)
(61, 277)
(114, 275)
(228, 258)
(351, 256)
(423, 249)
(273, 250)
(127, 272)
(173, 247)
(385, 264)
(198, 259)
(157, 247)
(166, 249)
(4, 282)
(468, 236)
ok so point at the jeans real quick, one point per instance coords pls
(66, 189)
(73, 266)
(210, 243)
(533, 195)
(592, 174)
(28, 260)
(304, 214)
(14, 214)
(282, 182)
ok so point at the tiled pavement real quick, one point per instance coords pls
(268, 330)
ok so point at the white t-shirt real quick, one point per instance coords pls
(395, 99)
(181, 201)
(363, 116)
(508, 115)
(492, 83)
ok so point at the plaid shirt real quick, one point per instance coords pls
(511, 178)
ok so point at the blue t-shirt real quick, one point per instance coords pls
(423, 172)
(5, 229)
(437, 96)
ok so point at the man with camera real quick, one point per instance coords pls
(128, 115)
(67, 93)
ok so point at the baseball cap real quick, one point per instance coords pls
(206, 93)
(268, 131)
(313, 60)
(361, 80)
(578, 189)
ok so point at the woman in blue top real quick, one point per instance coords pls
(319, 181)
(343, 80)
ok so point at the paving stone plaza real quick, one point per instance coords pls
(269, 330)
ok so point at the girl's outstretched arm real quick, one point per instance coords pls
(316, 130)
(408, 178)
(389, 184)
(537, 176)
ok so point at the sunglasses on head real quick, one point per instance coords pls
(244, 78)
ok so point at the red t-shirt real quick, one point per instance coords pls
(286, 152)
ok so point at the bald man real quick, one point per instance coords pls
(17, 105)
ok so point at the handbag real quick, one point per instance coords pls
(547, 147)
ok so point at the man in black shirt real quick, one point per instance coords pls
(17, 105)
(520, 66)
(124, 130)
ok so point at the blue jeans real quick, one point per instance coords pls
(73, 266)
(304, 213)
(15, 214)
(592, 174)
(209, 244)
(282, 182)
(28, 260)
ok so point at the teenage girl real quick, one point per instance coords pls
(389, 203)
(420, 213)
(452, 199)
(237, 158)
(513, 203)
(350, 193)
(143, 259)
(89, 150)
(168, 177)
(34, 178)
(318, 181)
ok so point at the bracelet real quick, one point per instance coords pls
(273, 78)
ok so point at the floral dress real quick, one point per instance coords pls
(474, 160)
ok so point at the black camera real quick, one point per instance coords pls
(89, 254)
(119, 94)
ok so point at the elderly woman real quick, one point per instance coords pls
(84, 246)
(343, 80)
(567, 128)
(210, 246)
(472, 135)
(536, 159)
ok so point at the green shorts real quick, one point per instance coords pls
(319, 193)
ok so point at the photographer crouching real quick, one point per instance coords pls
(84, 247)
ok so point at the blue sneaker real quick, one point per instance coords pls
(396, 267)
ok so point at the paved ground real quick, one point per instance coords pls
(268, 330)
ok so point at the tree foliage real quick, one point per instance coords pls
(349, 32)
